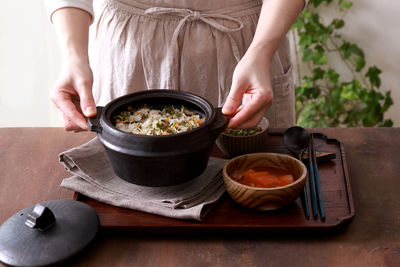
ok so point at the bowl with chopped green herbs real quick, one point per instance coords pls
(235, 142)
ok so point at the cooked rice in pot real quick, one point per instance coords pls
(148, 121)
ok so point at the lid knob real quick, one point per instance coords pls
(41, 217)
(32, 237)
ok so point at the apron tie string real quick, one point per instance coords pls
(191, 15)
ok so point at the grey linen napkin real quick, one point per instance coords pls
(94, 177)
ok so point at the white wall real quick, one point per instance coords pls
(30, 59)
(29, 64)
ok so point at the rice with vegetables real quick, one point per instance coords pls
(148, 121)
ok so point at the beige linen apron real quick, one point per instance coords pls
(185, 45)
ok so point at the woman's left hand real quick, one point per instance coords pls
(251, 91)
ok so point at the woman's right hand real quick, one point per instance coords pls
(73, 96)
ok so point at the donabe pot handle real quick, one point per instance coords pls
(220, 123)
(94, 122)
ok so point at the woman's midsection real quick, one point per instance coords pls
(199, 5)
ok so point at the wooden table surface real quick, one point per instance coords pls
(30, 173)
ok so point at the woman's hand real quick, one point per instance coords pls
(251, 82)
(72, 95)
(251, 91)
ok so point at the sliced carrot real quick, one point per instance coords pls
(264, 177)
(286, 179)
(268, 181)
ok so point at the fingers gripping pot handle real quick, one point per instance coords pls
(220, 123)
(94, 122)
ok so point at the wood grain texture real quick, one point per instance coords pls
(264, 198)
(29, 167)
(372, 239)
(337, 197)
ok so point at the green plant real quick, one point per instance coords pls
(325, 98)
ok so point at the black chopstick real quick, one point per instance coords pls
(304, 201)
(304, 195)
(317, 181)
(311, 177)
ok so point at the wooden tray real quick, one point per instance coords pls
(227, 216)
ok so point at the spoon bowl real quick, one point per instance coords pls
(296, 139)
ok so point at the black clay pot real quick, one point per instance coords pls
(159, 160)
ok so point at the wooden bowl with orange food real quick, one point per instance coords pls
(264, 181)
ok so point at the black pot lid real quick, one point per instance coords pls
(47, 233)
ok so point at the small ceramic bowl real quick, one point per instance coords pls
(233, 146)
(264, 198)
